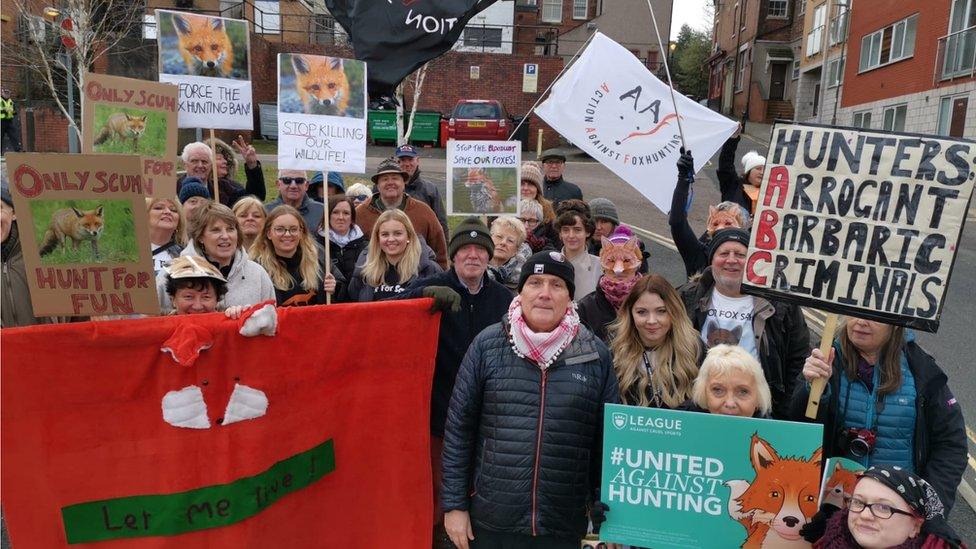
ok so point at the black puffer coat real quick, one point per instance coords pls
(522, 448)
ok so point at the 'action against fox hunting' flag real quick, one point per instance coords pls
(612, 107)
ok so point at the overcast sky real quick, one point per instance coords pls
(690, 12)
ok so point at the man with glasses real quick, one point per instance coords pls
(292, 190)
(555, 188)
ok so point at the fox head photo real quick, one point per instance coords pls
(202, 45)
(129, 131)
(313, 84)
(478, 191)
(84, 231)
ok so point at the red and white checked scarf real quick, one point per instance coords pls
(544, 347)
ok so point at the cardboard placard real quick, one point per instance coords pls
(321, 113)
(688, 479)
(860, 222)
(483, 177)
(131, 116)
(209, 58)
(84, 232)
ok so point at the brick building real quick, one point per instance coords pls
(628, 23)
(753, 54)
(824, 40)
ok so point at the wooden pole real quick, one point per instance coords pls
(328, 252)
(538, 149)
(817, 387)
(213, 164)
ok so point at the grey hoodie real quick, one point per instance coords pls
(247, 284)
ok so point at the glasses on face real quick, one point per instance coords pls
(879, 510)
(282, 231)
(292, 180)
(529, 221)
(360, 197)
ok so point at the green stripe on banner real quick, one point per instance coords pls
(199, 509)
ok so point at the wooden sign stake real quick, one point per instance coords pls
(817, 387)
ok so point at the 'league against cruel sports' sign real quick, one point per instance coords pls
(85, 233)
(860, 222)
(131, 116)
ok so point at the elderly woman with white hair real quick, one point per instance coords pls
(197, 158)
(511, 251)
(731, 382)
(537, 231)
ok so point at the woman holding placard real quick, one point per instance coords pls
(887, 401)
(656, 350)
(346, 239)
(394, 259)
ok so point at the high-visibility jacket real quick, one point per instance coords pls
(6, 109)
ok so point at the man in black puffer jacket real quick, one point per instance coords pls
(523, 441)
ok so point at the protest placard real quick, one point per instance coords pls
(839, 478)
(686, 479)
(483, 177)
(611, 106)
(321, 113)
(130, 116)
(176, 432)
(209, 58)
(860, 222)
(85, 233)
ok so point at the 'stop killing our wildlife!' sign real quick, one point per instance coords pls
(209, 58)
(84, 232)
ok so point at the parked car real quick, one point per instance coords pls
(476, 119)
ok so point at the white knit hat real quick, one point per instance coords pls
(751, 160)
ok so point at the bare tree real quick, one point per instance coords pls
(64, 42)
(416, 80)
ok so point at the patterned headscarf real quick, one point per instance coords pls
(917, 493)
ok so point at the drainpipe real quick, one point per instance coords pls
(843, 46)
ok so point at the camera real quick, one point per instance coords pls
(859, 442)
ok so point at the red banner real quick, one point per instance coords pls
(314, 437)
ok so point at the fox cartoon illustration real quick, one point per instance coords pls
(779, 500)
(839, 487)
(205, 46)
(322, 84)
(123, 126)
(78, 225)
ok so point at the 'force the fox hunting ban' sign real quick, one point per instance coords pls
(862, 223)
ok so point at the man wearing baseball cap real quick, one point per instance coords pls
(389, 182)
(775, 333)
(555, 188)
(525, 420)
(417, 187)
(478, 303)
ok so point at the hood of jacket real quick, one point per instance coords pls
(227, 152)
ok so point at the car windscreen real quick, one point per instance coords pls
(477, 111)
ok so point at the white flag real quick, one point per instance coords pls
(612, 107)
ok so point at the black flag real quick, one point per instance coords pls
(396, 37)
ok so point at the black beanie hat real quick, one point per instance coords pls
(727, 235)
(550, 263)
(470, 231)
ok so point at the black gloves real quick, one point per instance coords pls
(598, 515)
(445, 299)
(686, 166)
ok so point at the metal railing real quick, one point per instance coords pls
(956, 55)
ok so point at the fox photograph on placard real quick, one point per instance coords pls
(483, 177)
(202, 45)
(84, 231)
(313, 84)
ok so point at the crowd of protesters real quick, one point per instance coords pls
(533, 304)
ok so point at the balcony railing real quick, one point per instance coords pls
(957, 55)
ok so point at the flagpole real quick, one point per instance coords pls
(667, 71)
(551, 84)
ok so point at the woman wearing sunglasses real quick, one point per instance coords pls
(359, 193)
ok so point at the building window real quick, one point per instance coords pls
(888, 45)
(801, 7)
(267, 17)
(862, 120)
(149, 27)
(959, 50)
(838, 26)
(777, 9)
(580, 9)
(835, 72)
(815, 37)
(739, 76)
(735, 17)
(952, 115)
(552, 11)
(483, 37)
(894, 118)
(796, 69)
(742, 14)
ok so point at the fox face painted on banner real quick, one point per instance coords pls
(78, 225)
(322, 84)
(123, 126)
(205, 45)
(839, 487)
(779, 500)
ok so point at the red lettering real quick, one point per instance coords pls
(751, 275)
(765, 236)
(779, 180)
(36, 186)
(605, 87)
(77, 302)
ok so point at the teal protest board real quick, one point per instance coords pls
(686, 479)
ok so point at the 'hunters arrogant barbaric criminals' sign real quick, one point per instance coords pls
(85, 233)
(612, 107)
(687, 479)
(859, 222)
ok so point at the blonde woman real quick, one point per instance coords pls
(251, 216)
(292, 259)
(656, 350)
(731, 382)
(167, 230)
(393, 260)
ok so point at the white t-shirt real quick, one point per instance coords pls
(161, 258)
(729, 320)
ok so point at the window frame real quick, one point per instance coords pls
(150, 29)
(266, 21)
(893, 109)
(819, 13)
(834, 80)
(785, 8)
(861, 124)
(586, 9)
(550, 4)
(896, 30)
(796, 69)
(740, 76)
